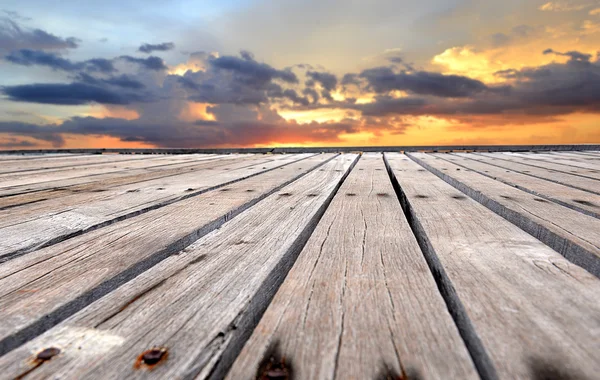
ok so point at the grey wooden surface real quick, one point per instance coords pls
(43, 223)
(360, 301)
(16, 183)
(51, 283)
(210, 293)
(575, 199)
(575, 236)
(427, 265)
(585, 173)
(560, 177)
(507, 290)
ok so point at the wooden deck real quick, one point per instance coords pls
(302, 265)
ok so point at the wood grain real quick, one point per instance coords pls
(40, 224)
(65, 162)
(17, 183)
(549, 158)
(211, 293)
(566, 179)
(575, 199)
(575, 236)
(517, 302)
(585, 173)
(360, 302)
(40, 289)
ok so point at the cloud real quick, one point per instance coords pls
(69, 94)
(251, 71)
(563, 6)
(28, 57)
(35, 131)
(150, 63)
(327, 80)
(384, 79)
(519, 32)
(14, 143)
(14, 37)
(149, 48)
(123, 80)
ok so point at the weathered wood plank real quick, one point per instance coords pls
(24, 195)
(48, 285)
(574, 156)
(31, 180)
(577, 182)
(575, 199)
(42, 224)
(585, 173)
(575, 236)
(66, 162)
(523, 308)
(557, 160)
(62, 179)
(360, 301)
(201, 303)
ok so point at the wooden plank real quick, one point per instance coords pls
(201, 303)
(575, 199)
(11, 197)
(574, 181)
(44, 287)
(66, 162)
(525, 311)
(575, 236)
(37, 225)
(557, 160)
(360, 301)
(574, 156)
(35, 178)
(585, 173)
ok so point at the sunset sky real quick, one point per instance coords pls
(246, 73)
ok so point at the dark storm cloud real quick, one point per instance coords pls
(13, 37)
(349, 79)
(251, 71)
(384, 79)
(149, 48)
(196, 134)
(574, 55)
(123, 80)
(31, 130)
(327, 80)
(69, 94)
(14, 143)
(150, 63)
(27, 57)
(312, 93)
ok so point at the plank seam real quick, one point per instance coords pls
(55, 317)
(22, 251)
(475, 347)
(527, 162)
(571, 251)
(248, 319)
(533, 175)
(152, 169)
(549, 198)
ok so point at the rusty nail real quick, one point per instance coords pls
(153, 356)
(48, 353)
